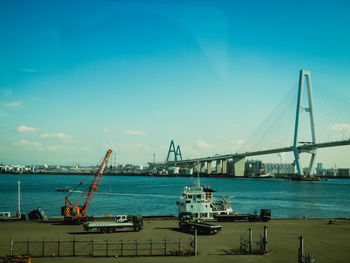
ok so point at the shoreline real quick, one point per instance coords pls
(322, 178)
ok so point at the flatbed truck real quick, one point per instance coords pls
(133, 223)
(264, 216)
(187, 224)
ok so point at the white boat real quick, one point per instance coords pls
(201, 203)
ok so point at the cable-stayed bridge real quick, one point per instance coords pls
(298, 131)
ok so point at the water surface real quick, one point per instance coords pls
(157, 195)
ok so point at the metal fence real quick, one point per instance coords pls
(94, 248)
(303, 255)
(246, 243)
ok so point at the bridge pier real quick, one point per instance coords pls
(202, 167)
(196, 168)
(218, 166)
(224, 167)
(209, 167)
(236, 167)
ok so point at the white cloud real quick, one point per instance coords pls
(164, 147)
(13, 104)
(30, 145)
(53, 148)
(203, 144)
(24, 128)
(237, 142)
(133, 132)
(345, 127)
(240, 141)
(59, 135)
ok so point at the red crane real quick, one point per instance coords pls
(72, 211)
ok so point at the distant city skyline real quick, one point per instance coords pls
(78, 78)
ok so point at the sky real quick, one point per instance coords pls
(80, 77)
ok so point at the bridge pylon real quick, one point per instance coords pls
(304, 76)
(176, 152)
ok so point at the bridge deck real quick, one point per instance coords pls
(301, 148)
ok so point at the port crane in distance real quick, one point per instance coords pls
(73, 212)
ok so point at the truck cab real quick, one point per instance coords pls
(185, 216)
(5, 215)
(121, 218)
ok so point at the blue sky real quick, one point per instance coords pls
(78, 77)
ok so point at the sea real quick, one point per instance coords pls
(156, 196)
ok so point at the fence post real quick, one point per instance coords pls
(136, 247)
(27, 245)
(250, 240)
(11, 245)
(150, 248)
(43, 247)
(164, 247)
(73, 247)
(180, 245)
(240, 244)
(92, 247)
(107, 248)
(121, 248)
(195, 242)
(301, 250)
(265, 239)
(58, 247)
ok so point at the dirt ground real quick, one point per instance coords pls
(326, 242)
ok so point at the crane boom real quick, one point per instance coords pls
(73, 212)
(96, 182)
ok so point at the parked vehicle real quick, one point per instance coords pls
(37, 214)
(187, 224)
(133, 223)
(264, 216)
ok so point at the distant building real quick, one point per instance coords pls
(320, 170)
(138, 167)
(186, 171)
(253, 168)
(279, 168)
(344, 172)
(174, 170)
